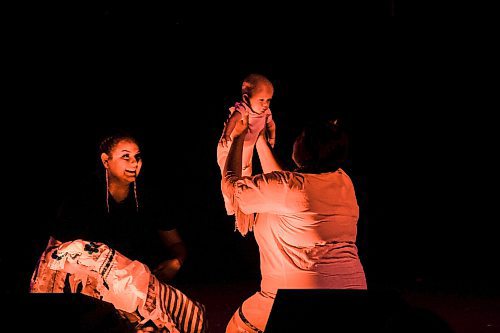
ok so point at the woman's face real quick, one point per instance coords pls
(124, 162)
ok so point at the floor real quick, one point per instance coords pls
(461, 312)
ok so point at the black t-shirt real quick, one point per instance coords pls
(129, 228)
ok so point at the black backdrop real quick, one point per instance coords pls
(418, 163)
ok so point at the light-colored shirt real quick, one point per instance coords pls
(305, 227)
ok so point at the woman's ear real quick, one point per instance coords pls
(104, 159)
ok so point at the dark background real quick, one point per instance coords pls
(414, 103)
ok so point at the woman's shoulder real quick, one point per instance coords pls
(291, 178)
(338, 176)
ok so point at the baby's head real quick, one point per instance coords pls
(257, 91)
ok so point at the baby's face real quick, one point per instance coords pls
(261, 98)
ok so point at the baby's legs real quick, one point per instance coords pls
(222, 153)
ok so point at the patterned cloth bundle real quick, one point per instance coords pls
(95, 270)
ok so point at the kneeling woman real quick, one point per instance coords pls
(306, 224)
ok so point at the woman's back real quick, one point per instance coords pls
(306, 230)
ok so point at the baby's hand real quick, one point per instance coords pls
(225, 140)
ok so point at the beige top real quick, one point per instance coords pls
(305, 227)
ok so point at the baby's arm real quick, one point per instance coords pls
(228, 129)
(271, 131)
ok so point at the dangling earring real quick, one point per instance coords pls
(135, 197)
(107, 191)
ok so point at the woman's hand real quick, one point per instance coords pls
(225, 140)
(167, 269)
(264, 138)
(241, 126)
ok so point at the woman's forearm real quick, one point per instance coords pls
(234, 164)
(266, 157)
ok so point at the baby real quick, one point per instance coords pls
(256, 94)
